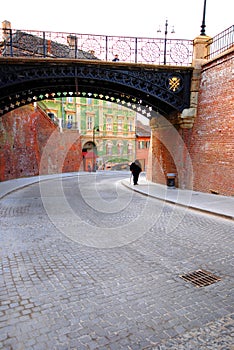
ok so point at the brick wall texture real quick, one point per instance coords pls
(31, 144)
(211, 141)
(202, 157)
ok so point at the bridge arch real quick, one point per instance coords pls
(141, 87)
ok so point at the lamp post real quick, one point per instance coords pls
(95, 128)
(203, 26)
(165, 40)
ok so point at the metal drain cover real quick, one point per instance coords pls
(200, 278)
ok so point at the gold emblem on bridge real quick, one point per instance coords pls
(174, 83)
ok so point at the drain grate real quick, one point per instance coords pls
(200, 278)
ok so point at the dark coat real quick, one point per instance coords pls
(135, 169)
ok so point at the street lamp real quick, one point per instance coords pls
(165, 40)
(95, 128)
(203, 26)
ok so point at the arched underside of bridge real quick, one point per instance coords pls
(144, 88)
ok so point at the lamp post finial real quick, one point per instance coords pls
(203, 26)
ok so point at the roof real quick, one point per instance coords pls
(142, 130)
(27, 44)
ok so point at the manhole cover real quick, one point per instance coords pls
(200, 278)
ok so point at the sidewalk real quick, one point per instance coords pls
(209, 203)
(62, 293)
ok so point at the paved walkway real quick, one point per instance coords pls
(210, 203)
(9, 186)
(61, 295)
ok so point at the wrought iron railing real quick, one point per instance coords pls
(159, 51)
(221, 42)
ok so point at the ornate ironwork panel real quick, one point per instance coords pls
(24, 81)
(30, 43)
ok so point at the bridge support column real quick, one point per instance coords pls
(187, 117)
(154, 170)
(161, 156)
(200, 54)
(168, 154)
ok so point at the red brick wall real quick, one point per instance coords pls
(166, 153)
(30, 144)
(203, 158)
(211, 141)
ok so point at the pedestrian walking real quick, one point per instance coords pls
(135, 168)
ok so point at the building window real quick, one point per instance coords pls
(143, 144)
(120, 148)
(89, 123)
(129, 148)
(89, 101)
(109, 149)
(109, 124)
(69, 121)
(130, 125)
(120, 124)
(140, 144)
(69, 99)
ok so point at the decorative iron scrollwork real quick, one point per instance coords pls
(150, 51)
(90, 46)
(27, 83)
(179, 53)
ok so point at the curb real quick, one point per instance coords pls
(225, 216)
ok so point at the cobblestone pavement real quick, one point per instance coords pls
(66, 285)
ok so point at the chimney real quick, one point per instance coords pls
(6, 28)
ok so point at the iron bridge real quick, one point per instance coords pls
(143, 87)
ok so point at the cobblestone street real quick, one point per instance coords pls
(89, 264)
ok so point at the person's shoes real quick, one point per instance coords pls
(135, 184)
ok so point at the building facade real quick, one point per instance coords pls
(143, 135)
(108, 130)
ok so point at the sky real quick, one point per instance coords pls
(134, 18)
